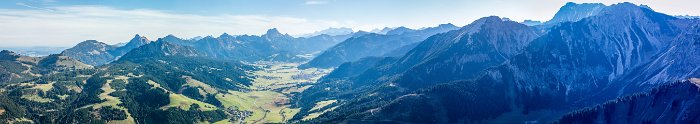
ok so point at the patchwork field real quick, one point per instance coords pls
(268, 97)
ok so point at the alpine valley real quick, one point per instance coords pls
(591, 63)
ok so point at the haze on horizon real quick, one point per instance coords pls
(59, 23)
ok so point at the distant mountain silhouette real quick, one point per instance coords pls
(97, 53)
(331, 32)
(373, 44)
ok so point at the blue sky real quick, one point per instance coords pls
(65, 23)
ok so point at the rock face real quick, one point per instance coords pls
(572, 12)
(461, 54)
(373, 44)
(135, 42)
(496, 70)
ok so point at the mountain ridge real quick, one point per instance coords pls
(591, 63)
(575, 64)
(355, 48)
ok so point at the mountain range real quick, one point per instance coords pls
(495, 70)
(331, 31)
(374, 44)
(273, 46)
(97, 53)
(591, 63)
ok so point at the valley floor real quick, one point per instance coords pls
(268, 97)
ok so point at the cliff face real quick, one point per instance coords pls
(572, 12)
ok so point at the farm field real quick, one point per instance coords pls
(267, 99)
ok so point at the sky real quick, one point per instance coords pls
(64, 23)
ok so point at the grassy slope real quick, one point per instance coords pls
(318, 106)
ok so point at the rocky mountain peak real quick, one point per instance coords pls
(399, 30)
(625, 9)
(489, 19)
(448, 25)
(274, 33)
(171, 38)
(225, 35)
(572, 12)
(490, 23)
(359, 33)
(137, 36)
(139, 39)
(159, 48)
(91, 43)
